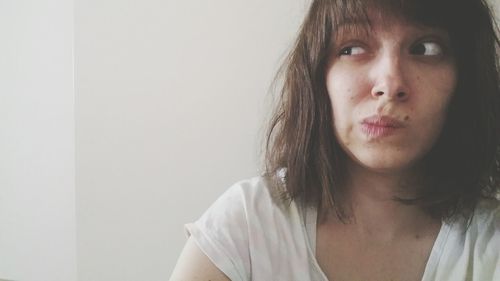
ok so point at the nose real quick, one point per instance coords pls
(389, 79)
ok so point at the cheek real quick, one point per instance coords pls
(437, 93)
(434, 97)
(345, 90)
(433, 120)
(340, 100)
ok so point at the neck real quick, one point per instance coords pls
(374, 211)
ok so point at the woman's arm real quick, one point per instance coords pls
(194, 265)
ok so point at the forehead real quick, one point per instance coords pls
(429, 13)
(369, 17)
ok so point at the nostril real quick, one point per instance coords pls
(401, 95)
(380, 93)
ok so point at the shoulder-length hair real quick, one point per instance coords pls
(304, 160)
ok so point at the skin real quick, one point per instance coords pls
(399, 70)
(406, 72)
(379, 74)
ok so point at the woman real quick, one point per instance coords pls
(382, 158)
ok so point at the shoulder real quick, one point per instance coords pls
(256, 188)
(473, 249)
(485, 223)
(250, 233)
(487, 216)
(236, 205)
(253, 195)
(227, 230)
(244, 195)
(488, 208)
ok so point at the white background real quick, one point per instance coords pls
(122, 120)
(171, 98)
(37, 141)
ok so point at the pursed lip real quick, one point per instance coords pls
(376, 127)
(383, 121)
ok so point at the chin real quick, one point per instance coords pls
(386, 163)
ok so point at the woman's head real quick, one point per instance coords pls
(390, 82)
(339, 73)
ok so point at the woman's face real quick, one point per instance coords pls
(390, 88)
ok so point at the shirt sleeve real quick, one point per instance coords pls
(222, 234)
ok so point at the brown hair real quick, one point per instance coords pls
(305, 162)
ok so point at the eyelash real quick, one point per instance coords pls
(343, 51)
(347, 51)
(439, 48)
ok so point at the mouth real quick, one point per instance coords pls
(380, 126)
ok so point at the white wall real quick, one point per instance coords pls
(37, 185)
(171, 96)
(170, 101)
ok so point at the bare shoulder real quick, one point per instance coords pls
(194, 265)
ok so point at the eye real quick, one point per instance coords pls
(352, 51)
(427, 49)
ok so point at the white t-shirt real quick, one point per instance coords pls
(248, 236)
